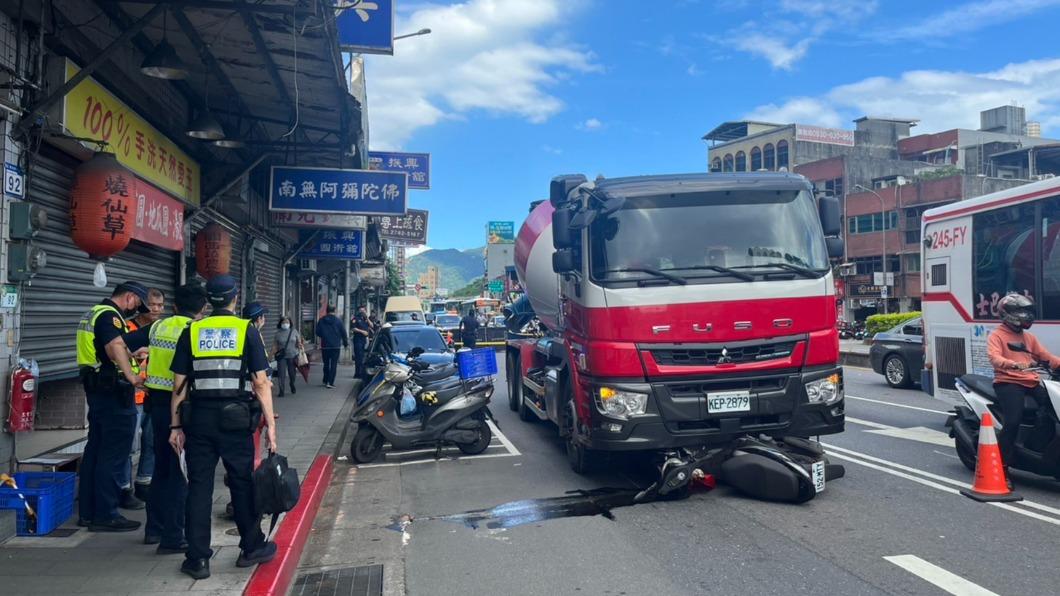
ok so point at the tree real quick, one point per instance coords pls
(394, 284)
(472, 289)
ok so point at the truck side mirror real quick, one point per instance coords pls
(563, 261)
(562, 234)
(561, 186)
(835, 247)
(828, 210)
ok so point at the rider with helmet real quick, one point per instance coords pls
(1012, 380)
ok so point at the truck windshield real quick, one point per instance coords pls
(724, 236)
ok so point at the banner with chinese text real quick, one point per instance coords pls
(159, 218)
(416, 165)
(327, 190)
(347, 245)
(291, 219)
(408, 230)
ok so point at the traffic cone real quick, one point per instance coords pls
(990, 483)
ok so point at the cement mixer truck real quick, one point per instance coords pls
(690, 316)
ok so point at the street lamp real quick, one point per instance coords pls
(883, 214)
(423, 31)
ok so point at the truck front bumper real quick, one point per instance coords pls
(677, 414)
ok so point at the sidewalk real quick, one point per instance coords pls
(854, 352)
(91, 563)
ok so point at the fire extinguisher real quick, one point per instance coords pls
(23, 400)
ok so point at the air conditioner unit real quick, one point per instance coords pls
(307, 264)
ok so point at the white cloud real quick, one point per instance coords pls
(551, 149)
(776, 51)
(415, 250)
(590, 125)
(967, 18)
(482, 56)
(940, 99)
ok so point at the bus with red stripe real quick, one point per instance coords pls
(974, 252)
(678, 311)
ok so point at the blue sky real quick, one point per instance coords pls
(506, 94)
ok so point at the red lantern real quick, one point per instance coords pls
(213, 251)
(102, 206)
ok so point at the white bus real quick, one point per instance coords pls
(974, 252)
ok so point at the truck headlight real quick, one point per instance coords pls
(826, 391)
(620, 404)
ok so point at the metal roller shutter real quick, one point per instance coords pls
(268, 271)
(55, 299)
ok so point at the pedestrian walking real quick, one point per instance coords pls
(167, 492)
(134, 494)
(362, 330)
(333, 337)
(469, 326)
(213, 417)
(288, 343)
(108, 374)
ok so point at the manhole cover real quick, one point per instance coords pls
(366, 580)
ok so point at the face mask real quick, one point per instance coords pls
(285, 326)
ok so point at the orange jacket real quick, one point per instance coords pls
(1006, 360)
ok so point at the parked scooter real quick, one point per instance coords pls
(450, 410)
(1038, 442)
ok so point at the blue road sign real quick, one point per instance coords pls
(416, 165)
(367, 27)
(333, 244)
(326, 190)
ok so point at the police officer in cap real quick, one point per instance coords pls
(110, 379)
(255, 313)
(214, 416)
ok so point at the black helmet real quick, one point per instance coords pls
(1016, 311)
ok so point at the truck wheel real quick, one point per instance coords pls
(896, 372)
(967, 458)
(581, 460)
(515, 384)
(525, 414)
(366, 445)
(485, 435)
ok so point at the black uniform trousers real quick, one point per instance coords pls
(205, 443)
(169, 491)
(358, 356)
(111, 427)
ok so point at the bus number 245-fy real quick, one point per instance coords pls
(949, 237)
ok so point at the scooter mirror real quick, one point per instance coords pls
(416, 352)
(1017, 347)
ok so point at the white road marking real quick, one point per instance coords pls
(452, 453)
(939, 577)
(504, 440)
(887, 403)
(865, 460)
(916, 433)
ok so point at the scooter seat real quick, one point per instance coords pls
(982, 385)
(444, 394)
(432, 375)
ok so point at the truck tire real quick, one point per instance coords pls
(582, 460)
(525, 413)
(515, 382)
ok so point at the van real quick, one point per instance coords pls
(403, 309)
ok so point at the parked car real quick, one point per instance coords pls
(898, 354)
(447, 322)
(399, 339)
(496, 321)
(403, 308)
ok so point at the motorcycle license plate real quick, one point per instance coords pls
(728, 401)
(817, 473)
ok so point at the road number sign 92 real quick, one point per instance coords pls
(948, 237)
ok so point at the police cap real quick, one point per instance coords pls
(254, 310)
(221, 289)
(136, 288)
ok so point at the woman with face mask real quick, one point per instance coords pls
(288, 343)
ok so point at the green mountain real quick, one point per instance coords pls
(457, 268)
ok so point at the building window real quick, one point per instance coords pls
(756, 159)
(871, 222)
(769, 157)
(834, 187)
(870, 265)
(912, 237)
(715, 166)
(1003, 249)
(782, 154)
(852, 225)
(912, 263)
(741, 161)
(727, 167)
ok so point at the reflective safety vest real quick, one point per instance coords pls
(217, 347)
(86, 335)
(163, 345)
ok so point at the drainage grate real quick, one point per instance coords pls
(366, 580)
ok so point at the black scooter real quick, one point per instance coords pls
(450, 410)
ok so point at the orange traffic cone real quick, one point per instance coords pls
(990, 483)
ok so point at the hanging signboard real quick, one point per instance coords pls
(291, 219)
(409, 229)
(92, 112)
(416, 165)
(366, 26)
(159, 218)
(348, 245)
(328, 190)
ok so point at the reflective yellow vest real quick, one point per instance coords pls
(217, 347)
(86, 335)
(163, 345)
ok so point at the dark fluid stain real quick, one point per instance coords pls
(580, 503)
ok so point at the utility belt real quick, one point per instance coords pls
(234, 415)
(107, 379)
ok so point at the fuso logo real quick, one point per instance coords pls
(217, 340)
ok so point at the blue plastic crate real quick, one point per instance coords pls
(480, 362)
(50, 494)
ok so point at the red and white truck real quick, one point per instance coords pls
(681, 313)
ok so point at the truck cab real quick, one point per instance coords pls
(682, 310)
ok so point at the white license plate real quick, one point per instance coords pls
(817, 473)
(728, 401)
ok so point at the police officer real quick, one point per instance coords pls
(255, 313)
(212, 362)
(110, 378)
(168, 490)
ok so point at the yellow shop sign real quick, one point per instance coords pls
(92, 112)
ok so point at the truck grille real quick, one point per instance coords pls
(712, 356)
(763, 385)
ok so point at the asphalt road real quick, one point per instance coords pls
(894, 525)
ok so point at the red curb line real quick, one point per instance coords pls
(274, 578)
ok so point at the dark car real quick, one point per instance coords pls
(898, 354)
(400, 338)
